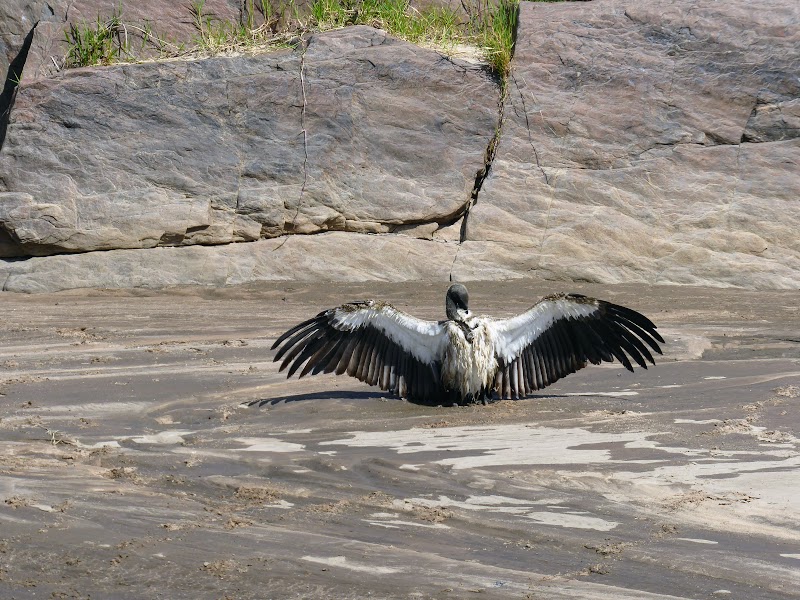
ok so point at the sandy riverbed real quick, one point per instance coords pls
(150, 449)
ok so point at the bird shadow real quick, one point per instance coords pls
(345, 395)
(321, 396)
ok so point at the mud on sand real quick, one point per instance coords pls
(150, 449)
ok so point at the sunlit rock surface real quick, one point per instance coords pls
(654, 142)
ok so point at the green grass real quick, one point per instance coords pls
(102, 43)
(261, 26)
(111, 40)
(495, 29)
(433, 25)
(487, 25)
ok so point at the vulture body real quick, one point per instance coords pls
(467, 358)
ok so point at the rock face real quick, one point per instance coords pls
(651, 142)
(655, 142)
(356, 132)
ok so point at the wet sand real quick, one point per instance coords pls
(150, 449)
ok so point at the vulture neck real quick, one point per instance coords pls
(458, 316)
(453, 313)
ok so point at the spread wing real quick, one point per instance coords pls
(560, 334)
(371, 341)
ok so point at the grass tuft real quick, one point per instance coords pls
(261, 27)
(434, 25)
(99, 44)
(496, 34)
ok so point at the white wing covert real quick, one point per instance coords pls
(560, 333)
(371, 341)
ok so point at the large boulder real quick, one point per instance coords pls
(355, 131)
(648, 141)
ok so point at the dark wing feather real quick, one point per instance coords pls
(561, 334)
(373, 342)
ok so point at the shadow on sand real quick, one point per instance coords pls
(346, 395)
(324, 396)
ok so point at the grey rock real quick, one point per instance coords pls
(654, 142)
(357, 132)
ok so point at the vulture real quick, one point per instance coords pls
(467, 358)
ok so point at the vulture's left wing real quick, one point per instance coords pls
(560, 333)
(371, 341)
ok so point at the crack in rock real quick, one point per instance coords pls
(489, 155)
(528, 129)
(483, 172)
(305, 44)
(480, 177)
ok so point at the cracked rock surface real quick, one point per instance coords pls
(655, 142)
(353, 131)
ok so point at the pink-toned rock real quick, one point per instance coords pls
(655, 142)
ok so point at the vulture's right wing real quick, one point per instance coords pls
(371, 341)
(560, 334)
